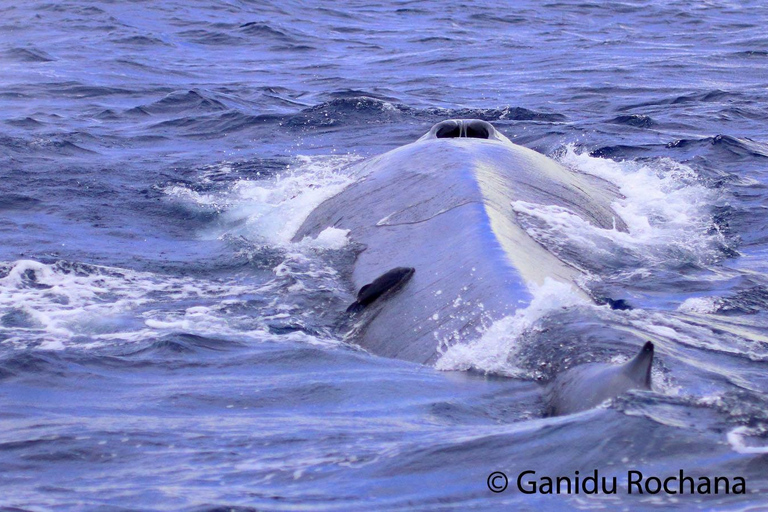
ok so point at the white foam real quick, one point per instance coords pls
(270, 211)
(62, 304)
(736, 438)
(329, 238)
(266, 212)
(666, 209)
(660, 195)
(496, 347)
(195, 200)
(699, 305)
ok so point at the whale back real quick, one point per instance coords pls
(444, 208)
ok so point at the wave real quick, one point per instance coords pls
(713, 96)
(44, 146)
(53, 306)
(667, 209)
(264, 30)
(181, 101)
(28, 55)
(351, 108)
(750, 301)
(211, 37)
(29, 123)
(723, 146)
(636, 120)
(140, 40)
(18, 363)
(266, 209)
(18, 202)
(214, 125)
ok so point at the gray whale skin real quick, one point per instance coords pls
(442, 205)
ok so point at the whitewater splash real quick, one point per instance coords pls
(65, 304)
(62, 305)
(270, 211)
(667, 210)
(494, 351)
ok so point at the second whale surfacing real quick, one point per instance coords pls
(589, 385)
(443, 206)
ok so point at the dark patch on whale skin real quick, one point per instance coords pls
(388, 282)
(589, 385)
(615, 304)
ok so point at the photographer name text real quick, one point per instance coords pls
(529, 482)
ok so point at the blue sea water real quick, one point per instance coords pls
(165, 346)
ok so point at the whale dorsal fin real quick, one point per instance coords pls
(639, 368)
(389, 282)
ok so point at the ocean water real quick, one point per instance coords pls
(165, 346)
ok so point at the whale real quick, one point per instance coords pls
(589, 385)
(439, 216)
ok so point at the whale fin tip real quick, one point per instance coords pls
(639, 368)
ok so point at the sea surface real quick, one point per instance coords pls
(164, 345)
